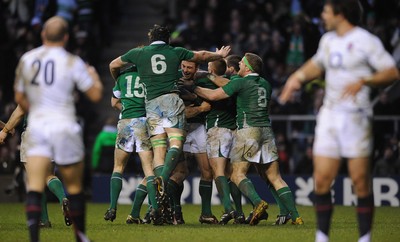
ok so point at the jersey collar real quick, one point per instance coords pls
(252, 74)
(158, 42)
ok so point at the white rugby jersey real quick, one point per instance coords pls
(48, 76)
(347, 59)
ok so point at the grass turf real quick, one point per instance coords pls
(344, 226)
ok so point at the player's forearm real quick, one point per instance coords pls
(384, 77)
(211, 94)
(206, 56)
(116, 103)
(218, 80)
(309, 71)
(14, 119)
(192, 111)
(22, 101)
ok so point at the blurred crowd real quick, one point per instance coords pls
(284, 32)
(90, 23)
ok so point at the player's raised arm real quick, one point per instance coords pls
(204, 56)
(115, 67)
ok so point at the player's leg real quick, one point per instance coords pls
(219, 142)
(176, 138)
(144, 149)
(54, 184)
(218, 165)
(159, 144)
(146, 158)
(72, 176)
(120, 159)
(325, 171)
(236, 195)
(359, 170)
(140, 195)
(175, 189)
(272, 174)
(56, 187)
(36, 169)
(205, 189)
(246, 187)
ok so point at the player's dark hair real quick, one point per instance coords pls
(159, 33)
(233, 60)
(255, 62)
(350, 9)
(219, 67)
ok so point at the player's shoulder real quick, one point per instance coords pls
(328, 36)
(32, 53)
(363, 33)
(368, 39)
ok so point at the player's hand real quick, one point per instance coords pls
(224, 51)
(3, 136)
(352, 89)
(205, 106)
(292, 84)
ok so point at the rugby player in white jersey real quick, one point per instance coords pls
(353, 61)
(45, 81)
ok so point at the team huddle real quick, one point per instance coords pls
(170, 109)
(179, 119)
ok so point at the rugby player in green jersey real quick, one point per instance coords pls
(158, 65)
(128, 97)
(195, 144)
(254, 140)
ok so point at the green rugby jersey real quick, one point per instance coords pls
(130, 90)
(223, 112)
(158, 66)
(253, 96)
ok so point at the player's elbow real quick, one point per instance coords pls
(95, 93)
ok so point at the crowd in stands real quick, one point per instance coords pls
(20, 26)
(284, 32)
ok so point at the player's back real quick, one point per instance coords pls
(48, 76)
(158, 66)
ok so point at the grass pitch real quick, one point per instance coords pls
(344, 226)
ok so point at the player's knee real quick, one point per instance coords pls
(237, 178)
(206, 175)
(361, 185)
(322, 183)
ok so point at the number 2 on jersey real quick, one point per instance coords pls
(48, 74)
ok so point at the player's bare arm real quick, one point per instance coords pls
(309, 71)
(21, 99)
(218, 80)
(381, 78)
(211, 94)
(116, 103)
(115, 67)
(193, 111)
(95, 92)
(13, 121)
(204, 56)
